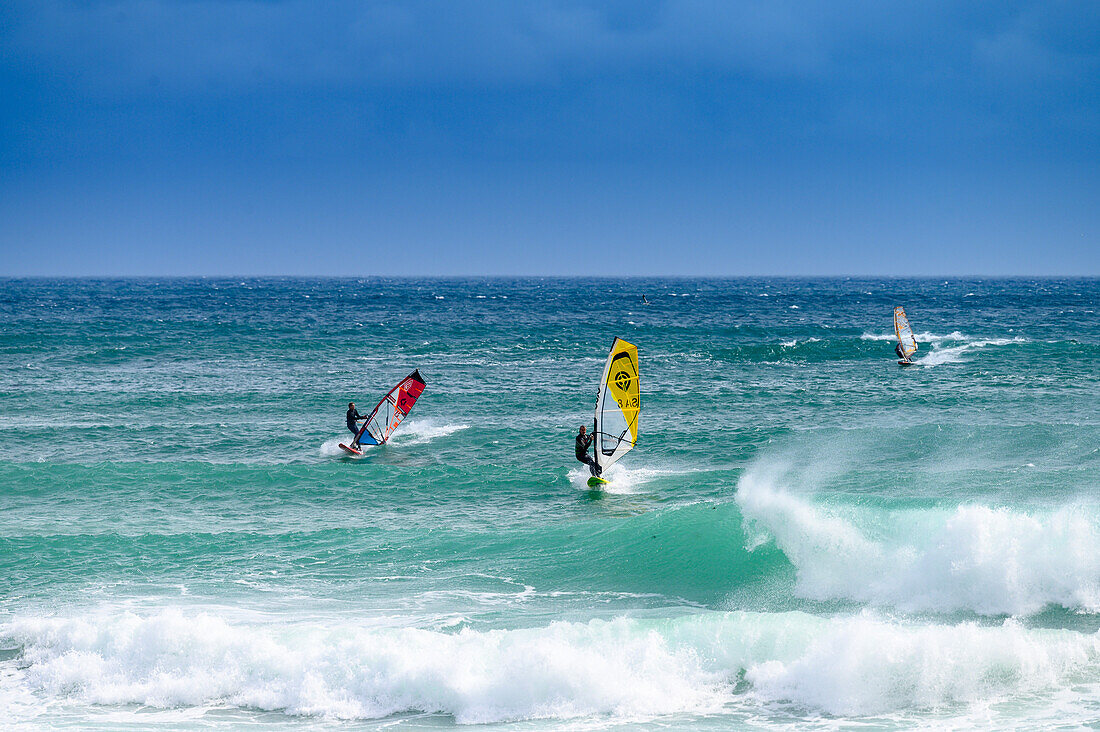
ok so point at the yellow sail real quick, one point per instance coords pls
(618, 404)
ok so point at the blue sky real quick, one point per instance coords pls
(616, 138)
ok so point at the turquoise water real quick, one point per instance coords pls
(806, 534)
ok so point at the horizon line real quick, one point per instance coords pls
(968, 276)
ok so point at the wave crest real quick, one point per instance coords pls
(171, 659)
(978, 558)
(626, 668)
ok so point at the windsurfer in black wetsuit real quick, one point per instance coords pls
(353, 417)
(583, 443)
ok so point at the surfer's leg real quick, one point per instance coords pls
(593, 467)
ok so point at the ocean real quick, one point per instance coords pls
(806, 535)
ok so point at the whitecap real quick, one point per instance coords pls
(418, 431)
(625, 669)
(954, 354)
(621, 479)
(172, 659)
(974, 557)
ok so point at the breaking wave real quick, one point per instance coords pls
(625, 669)
(974, 557)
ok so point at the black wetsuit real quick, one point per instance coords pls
(353, 414)
(583, 443)
(901, 353)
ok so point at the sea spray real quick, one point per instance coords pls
(972, 557)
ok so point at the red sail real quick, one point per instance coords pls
(392, 410)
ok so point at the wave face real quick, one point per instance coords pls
(806, 534)
(973, 557)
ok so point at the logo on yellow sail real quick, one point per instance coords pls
(622, 380)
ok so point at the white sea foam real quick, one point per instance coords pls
(864, 665)
(417, 431)
(625, 668)
(973, 557)
(941, 354)
(794, 342)
(331, 447)
(955, 354)
(921, 337)
(171, 659)
(621, 478)
(412, 432)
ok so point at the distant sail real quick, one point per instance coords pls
(391, 411)
(904, 332)
(618, 403)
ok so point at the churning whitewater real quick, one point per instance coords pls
(806, 534)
